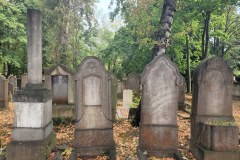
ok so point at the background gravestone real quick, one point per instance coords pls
(60, 80)
(94, 128)
(133, 82)
(3, 92)
(12, 85)
(158, 131)
(181, 99)
(24, 78)
(114, 87)
(212, 134)
(120, 88)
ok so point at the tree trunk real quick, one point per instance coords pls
(188, 66)
(205, 35)
(165, 26)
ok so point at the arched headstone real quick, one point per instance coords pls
(211, 135)
(133, 82)
(158, 132)
(94, 128)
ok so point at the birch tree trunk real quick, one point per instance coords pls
(165, 26)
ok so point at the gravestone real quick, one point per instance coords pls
(181, 99)
(60, 80)
(133, 82)
(24, 79)
(3, 92)
(12, 85)
(32, 136)
(236, 91)
(114, 86)
(127, 101)
(94, 128)
(158, 131)
(213, 136)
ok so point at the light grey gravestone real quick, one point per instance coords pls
(60, 80)
(94, 128)
(127, 101)
(12, 85)
(3, 92)
(213, 133)
(133, 82)
(32, 136)
(158, 130)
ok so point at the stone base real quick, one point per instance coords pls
(158, 140)
(159, 154)
(30, 150)
(63, 111)
(94, 142)
(202, 154)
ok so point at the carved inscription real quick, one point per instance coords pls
(163, 96)
(92, 90)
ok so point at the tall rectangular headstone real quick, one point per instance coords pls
(3, 92)
(212, 134)
(32, 136)
(94, 128)
(158, 130)
(24, 79)
(181, 99)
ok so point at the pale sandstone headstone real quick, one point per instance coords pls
(94, 127)
(133, 82)
(212, 102)
(158, 132)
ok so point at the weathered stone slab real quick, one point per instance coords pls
(12, 85)
(181, 99)
(133, 82)
(3, 92)
(24, 80)
(127, 98)
(236, 91)
(94, 108)
(212, 103)
(158, 127)
(60, 80)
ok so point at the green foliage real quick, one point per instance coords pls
(12, 34)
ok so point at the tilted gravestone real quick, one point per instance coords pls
(94, 128)
(3, 92)
(60, 80)
(32, 136)
(213, 132)
(158, 131)
(133, 82)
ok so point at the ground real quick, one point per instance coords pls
(126, 136)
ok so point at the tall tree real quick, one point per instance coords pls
(165, 26)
